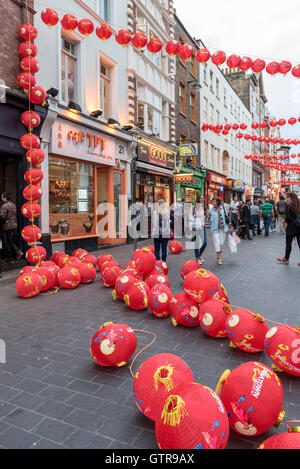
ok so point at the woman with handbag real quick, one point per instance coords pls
(162, 229)
(292, 220)
(198, 225)
(219, 222)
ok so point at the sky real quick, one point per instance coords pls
(259, 29)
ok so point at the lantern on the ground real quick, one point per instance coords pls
(73, 261)
(154, 45)
(273, 68)
(154, 279)
(213, 317)
(159, 299)
(258, 65)
(49, 17)
(36, 254)
(245, 63)
(155, 381)
(104, 31)
(253, 397)
(193, 417)
(28, 285)
(30, 119)
(136, 296)
(109, 264)
(233, 61)
(123, 37)
(173, 47)
(113, 344)
(33, 192)
(31, 210)
(69, 22)
(79, 253)
(188, 267)
(26, 80)
(47, 276)
(110, 275)
(37, 95)
(285, 67)
(282, 345)
(202, 56)
(28, 268)
(186, 52)
(35, 156)
(31, 234)
(89, 259)
(246, 330)
(30, 141)
(30, 65)
(102, 258)
(288, 440)
(28, 49)
(28, 32)
(175, 247)
(162, 265)
(184, 310)
(143, 260)
(69, 277)
(202, 285)
(218, 58)
(61, 259)
(139, 40)
(123, 280)
(87, 272)
(86, 27)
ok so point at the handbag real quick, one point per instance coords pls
(236, 238)
(232, 244)
(227, 219)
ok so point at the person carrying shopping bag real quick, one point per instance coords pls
(219, 222)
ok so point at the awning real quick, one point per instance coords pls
(154, 169)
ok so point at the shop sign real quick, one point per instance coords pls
(216, 187)
(190, 149)
(238, 184)
(215, 178)
(156, 155)
(76, 141)
(184, 178)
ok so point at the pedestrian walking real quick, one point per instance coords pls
(198, 219)
(8, 215)
(245, 219)
(292, 219)
(162, 228)
(234, 212)
(218, 226)
(267, 214)
(254, 219)
(281, 207)
(179, 215)
(273, 223)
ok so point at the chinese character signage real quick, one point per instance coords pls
(156, 155)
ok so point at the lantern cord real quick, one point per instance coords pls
(291, 421)
(49, 292)
(143, 349)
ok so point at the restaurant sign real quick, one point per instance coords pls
(156, 155)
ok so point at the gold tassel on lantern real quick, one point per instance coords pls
(164, 375)
(174, 411)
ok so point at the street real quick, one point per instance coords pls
(53, 395)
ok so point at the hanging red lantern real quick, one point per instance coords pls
(154, 45)
(113, 344)
(33, 175)
(205, 128)
(123, 280)
(69, 22)
(234, 61)
(89, 259)
(31, 234)
(123, 37)
(136, 296)
(31, 210)
(285, 67)
(28, 285)
(218, 58)
(104, 31)
(48, 278)
(247, 137)
(86, 27)
(50, 17)
(255, 125)
(253, 138)
(173, 47)
(28, 49)
(30, 65)
(37, 95)
(87, 272)
(26, 80)
(139, 40)
(28, 32)
(35, 156)
(156, 380)
(163, 265)
(202, 56)
(202, 285)
(235, 126)
(213, 317)
(258, 65)
(261, 139)
(110, 275)
(282, 346)
(188, 267)
(33, 192)
(100, 259)
(69, 277)
(296, 71)
(185, 311)
(159, 299)
(36, 254)
(243, 126)
(239, 135)
(30, 119)
(281, 122)
(186, 52)
(246, 330)
(29, 141)
(143, 261)
(273, 68)
(289, 440)
(245, 63)
(273, 123)
(175, 247)
(253, 397)
(263, 125)
(154, 279)
(192, 417)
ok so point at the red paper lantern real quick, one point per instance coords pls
(133, 272)
(175, 247)
(49, 17)
(253, 138)
(139, 40)
(47, 276)
(26, 80)
(188, 267)
(218, 58)
(273, 68)
(258, 65)
(173, 47)
(69, 277)
(72, 261)
(273, 123)
(156, 380)
(162, 265)
(202, 56)
(186, 52)
(122, 282)
(109, 264)
(263, 125)
(36, 254)
(31, 234)
(28, 32)
(136, 296)
(296, 71)
(35, 156)
(154, 45)
(253, 397)
(37, 95)
(100, 259)
(30, 65)
(33, 192)
(155, 279)
(28, 285)
(79, 253)
(29, 141)
(86, 27)
(202, 285)
(89, 259)
(144, 261)
(30, 119)
(243, 126)
(233, 61)
(246, 331)
(69, 22)
(104, 31)
(110, 275)
(61, 258)
(282, 345)
(245, 63)
(285, 67)
(28, 268)
(289, 440)
(193, 417)
(87, 272)
(123, 37)
(159, 299)
(213, 317)
(31, 210)
(33, 175)
(113, 344)
(28, 49)
(184, 310)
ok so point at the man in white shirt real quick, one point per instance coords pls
(234, 210)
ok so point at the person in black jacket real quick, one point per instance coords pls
(245, 218)
(292, 230)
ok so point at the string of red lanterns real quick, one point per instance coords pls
(254, 125)
(172, 47)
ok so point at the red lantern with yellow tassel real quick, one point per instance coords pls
(79, 253)
(28, 32)
(47, 276)
(154, 45)
(155, 279)
(188, 267)
(30, 65)
(109, 264)
(218, 58)
(36, 254)
(103, 31)
(202, 285)
(123, 280)
(202, 56)
(30, 119)
(296, 71)
(33, 192)
(193, 417)
(245, 63)
(26, 80)
(34, 176)
(102, 258)
(159, 299)
(31, 234)
(234, 61)
(156, 380)
(144, 261)
(184, 310)
(123, 37)
(28, 49)
(69, 277)
(86, 27)
(139, 40)
(30, 141)
(37, 95)
(28, 285)
(258, 65)
(110, 275)
(35, 156)
(162, 265)
(113, 344)
(136, 296)
(213, 317)
(289, 440)
(50, 17)
(253, 397)
(282, 345)
(31, 210)
(175, 247)
(246, 330)
(87, 272)
(69, 22)
(89, 259)
(173, 47)
(186, 52)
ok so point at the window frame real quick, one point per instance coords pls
(68, 55)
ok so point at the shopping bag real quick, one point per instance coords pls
(231, 244)
(236, 238)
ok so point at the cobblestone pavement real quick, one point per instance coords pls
(52, 394)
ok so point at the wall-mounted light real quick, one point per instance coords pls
(112, 122)
(53, 92)
(96, 113)
(74, 107)
(128, 127)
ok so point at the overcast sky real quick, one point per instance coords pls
(259, 29)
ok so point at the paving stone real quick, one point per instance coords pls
(56, 393)
(88, 421)
(82, 439)
(53, 430)
(15, 438)
(55, 410)
(27, 401)
(22, 418)
(85, 402)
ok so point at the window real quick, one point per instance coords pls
(211, 77)
(194, 72)
(205, 109)
(182, 96)
(103, 9)
(141, 116)
(225, 97)
(211, 113)
(217, 117)
(105, 79)
(193, 107)
(212, 156)
(68, 71)
(217, 88)
(205, 153)
(205, 74)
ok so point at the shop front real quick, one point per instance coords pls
(234, 188)
(214, 186)
(189, 184)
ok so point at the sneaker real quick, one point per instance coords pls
(282, 260)
(19, 256)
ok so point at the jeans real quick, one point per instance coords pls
(254, 222)
(282, 225)
(161, 244)
(235, 220)
(10, 250)
(201, 236)
(267, 222)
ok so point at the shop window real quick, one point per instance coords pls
(182, 96)
(149, 119)
(141, 116)
(68, 71)
(105, 84)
